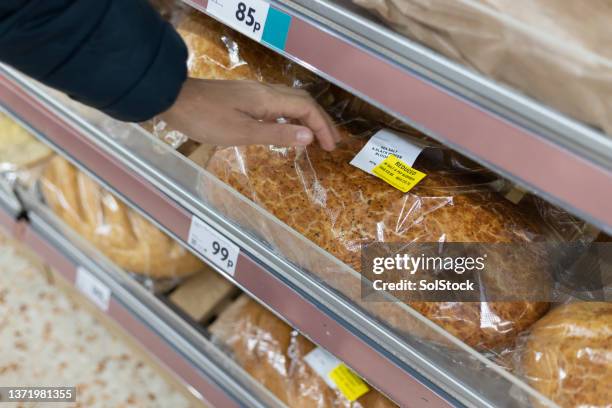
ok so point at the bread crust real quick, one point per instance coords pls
(273, 353)
(340, 207)
(124, 236)
(568, 355)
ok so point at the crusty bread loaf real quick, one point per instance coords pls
(273, 353)
(18, 148)
(568, 355)
(340, 207)
(124, 236)
(217, 52)
(212, 54)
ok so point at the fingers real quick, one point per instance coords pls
(310, 114)
(279, 134)
(277, 101)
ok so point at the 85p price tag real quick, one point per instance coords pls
(247, 16)
(213, 246)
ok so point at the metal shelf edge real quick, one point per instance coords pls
(536, 147)
(371, 360)
(195, 369)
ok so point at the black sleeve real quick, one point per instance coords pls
(118, 56)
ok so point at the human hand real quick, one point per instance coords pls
(236, 113)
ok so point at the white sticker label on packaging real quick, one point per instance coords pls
(384, 143)
(213, 246)
(322, 362)
(93, 288)
(247, 16)
(336, 374)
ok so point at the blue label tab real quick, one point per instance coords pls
(276, 29)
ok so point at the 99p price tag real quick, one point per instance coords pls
(213, 246)
(247, 16)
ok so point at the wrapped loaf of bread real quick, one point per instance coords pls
(273, 354)
(568, 355)
(124, 236)
(18, 148)
(340, 207)
(217, 52)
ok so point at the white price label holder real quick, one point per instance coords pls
(246, 16)
(213, 246)
(254, 18)
(93, 288)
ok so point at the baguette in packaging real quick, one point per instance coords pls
(274, 354)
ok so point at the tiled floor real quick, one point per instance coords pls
(47, 339)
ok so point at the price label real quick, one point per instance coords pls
(213, 246)
(336, 374)
(247, 16)
(93, 288)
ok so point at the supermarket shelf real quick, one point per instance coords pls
(133, 174)
(562, 160)
(208, 374)
(162, 185)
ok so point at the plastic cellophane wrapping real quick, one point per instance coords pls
(544, 48)
(120, 233)
(19, 150)
(339, 208)
(218, 53)
(567, 355)
(273, 354)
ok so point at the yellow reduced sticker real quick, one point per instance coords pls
(349, 384)
(398, 174)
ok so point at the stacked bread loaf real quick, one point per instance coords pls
(124, 236)
(273, 353)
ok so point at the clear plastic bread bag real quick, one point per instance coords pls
(567, 355)
(274, 355)
(543, 48)
(218, 53)
(20, 152)
(123, 235)
(340, 208)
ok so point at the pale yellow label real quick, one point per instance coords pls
(398, 174)
(348, 383)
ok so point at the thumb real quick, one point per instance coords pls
(280, 134)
